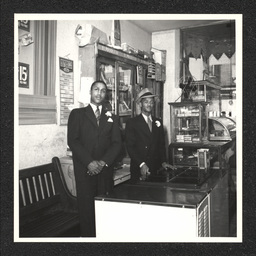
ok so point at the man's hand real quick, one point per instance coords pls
(101, 163)
(144, 171)
(94, 168)
(166, 166)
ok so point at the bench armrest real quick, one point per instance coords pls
(69, 201)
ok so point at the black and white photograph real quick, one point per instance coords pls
(128, 128)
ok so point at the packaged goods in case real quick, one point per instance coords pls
(203, 158)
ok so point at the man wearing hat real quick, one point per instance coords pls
(145, 139)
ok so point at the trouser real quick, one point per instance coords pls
(87, 188)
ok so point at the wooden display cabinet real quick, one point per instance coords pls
(120, 80)
(125, 76)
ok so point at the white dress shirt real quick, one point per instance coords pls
(94, 107)
(146, 117)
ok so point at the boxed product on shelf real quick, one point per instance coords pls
(127, 48)
(158, 72)
(151, 70)
(195, 139)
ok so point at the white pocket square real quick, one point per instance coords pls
(110, 120)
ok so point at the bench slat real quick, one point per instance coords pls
(35, 189)
(49, 184)
(41, 205)
(52, 184)
(24, 192)
(35, 171)
(32, 189)
(43, 186)
(21, 195)
(38, 188)
(50, 225)
(46, 206)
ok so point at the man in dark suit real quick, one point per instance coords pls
(95, 141)
(145, 140)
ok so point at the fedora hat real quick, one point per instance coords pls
(145, 93)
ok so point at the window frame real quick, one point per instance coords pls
(39, 108)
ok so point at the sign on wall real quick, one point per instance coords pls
(24, 24)
(66, 88)
(23, 75)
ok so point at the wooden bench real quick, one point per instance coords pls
(47, 208)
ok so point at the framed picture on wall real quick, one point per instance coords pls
(24, 24)
(23, 75)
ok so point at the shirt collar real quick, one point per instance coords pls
(146, 117)
(94, 107)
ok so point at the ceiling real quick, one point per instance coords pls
(210, 30)
(162, 25)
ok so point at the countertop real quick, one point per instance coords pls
(166, 193)
(154, 195)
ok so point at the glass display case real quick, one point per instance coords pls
(118, 70)
(186, 155)
(119, 78)
(205, 91)
(221, 128)
(189, 122)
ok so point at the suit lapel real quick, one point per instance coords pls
(144, 125)
(91, 116)
(154, 127)
(103, 119)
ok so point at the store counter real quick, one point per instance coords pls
(155, 211)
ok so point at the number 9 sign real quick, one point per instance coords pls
(23, 75)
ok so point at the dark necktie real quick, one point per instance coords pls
(149, 124)
(97, 114)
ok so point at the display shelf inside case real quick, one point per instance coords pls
(205, 91)
(119, 79)
(186, 154)
(189, 122)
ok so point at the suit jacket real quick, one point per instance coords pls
(145, 146)
(89, 142)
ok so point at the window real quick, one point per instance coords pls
(40, 108)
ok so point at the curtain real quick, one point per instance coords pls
(45, 57)
(195, 46)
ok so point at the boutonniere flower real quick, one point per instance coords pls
(158, 124)
(108, 113)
